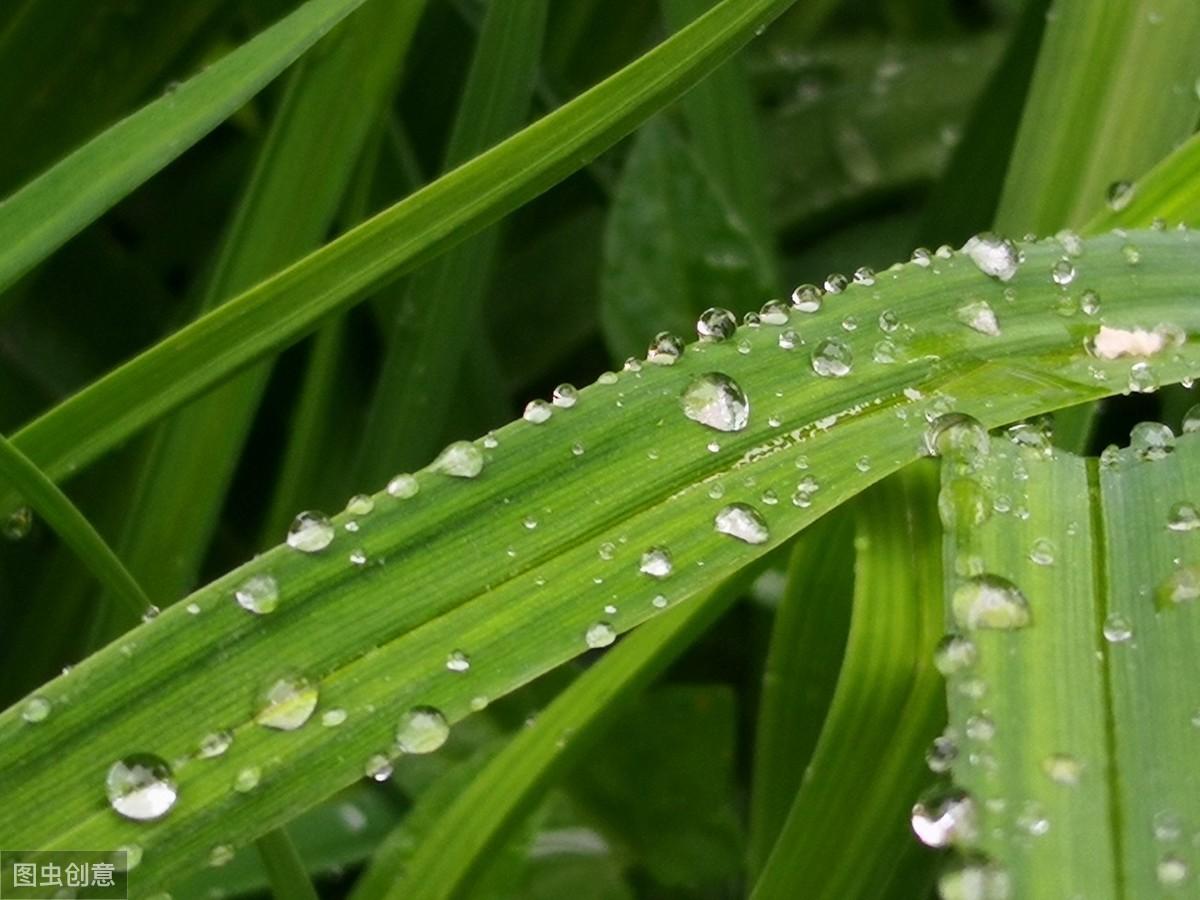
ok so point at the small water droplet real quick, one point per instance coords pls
(36, 709)
(141, 787)
(1183, 516)
(403, 486)
(941, 754)
(665, 349)
(360, 505)
(656, 562)
(1120, 195)
(332, 718)
(1062, 768)
(716, 324)
(258, 594)
(458, 661)
(978, 315)
(462, 459)
(565, 396)
(660, 602)
(993, 255)
(865, 276)
(922, 257)
(774, 312)
(1042, 552)
(537, 412)
(247, 779)
(1172, 871)
(220, 855)
(789, 339)
(1151, 440)
(422, 729)
(287, 703)
(599, 634)
(807, 298)
(1062, 272)
(836, 283)
(1181, 586)
(1117, 628)
(744, 522)
(717, 401)
(955, 653)
(959, 437)
(378, 767)
(990, 602)
(215, 744)
(310, 532)
(832, 358)
(944, 816)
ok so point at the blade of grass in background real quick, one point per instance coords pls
(284, 308)
(465, 835)
(285, 868)
(40, 217)
(1114, 91)
(509, 567)
(845, 834)
(1170, 192)
(808, 641)
(1080, 714)
(45, 498)
(298, 182)
(434, 321)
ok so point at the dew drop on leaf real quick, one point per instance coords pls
(247, 779)
(141, 787)
(18, 524)
(959, 436)
(310, 532)
(36, 709)
(1183, 516)
(461, 459)
(1191, 420)
(1117, 628)
(220, 855)
(458, 661)
(807, 298)
(744, 522)
(1062, 272)
(537, 412)
(1119, 195)
(716, 324)
(993, 255)
(1151, 440)
(360, 505)
(1181, 586)
(287, 703)
(378, 767)
(974, 877)
(215, 744)
(990, 602)
(258, 594)
(941, 754)
(665, 349)
(944, 816)
(422, 729)
(832, 358)
(1062, 768)
(717, 401)
(565, 396)
(403, 486)
(955, 653)
(599, 634)
(978, 315)
(656, 562)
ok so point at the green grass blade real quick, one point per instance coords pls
(425, 350)
(1113, 93)
(808, 640)
(840, 838)
(1083, 722)
(48, 501)
(1170, 192)
(508, 567)
(285, 869)
(465, 835)
(289, 305)
(40, 217)
(298, 182)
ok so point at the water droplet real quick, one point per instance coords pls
(990, 602)
(358, 557)
(1181, 586)
(1042, 552)
(599, 634)
(789, 339)
(458, 661)
(865, 276)
(247, 779)
(1062, 768)
(993, 255)
(332, 718)
(36, 709)
(774, 312)
(141, 787)
(1120, 195)
(1172, 871)
(1063, 272)
(537, 412)
(656, 562)
(220, 855)
(1183, 516)
(462, 459)
(1032, 439)
(944, 816)
(665, 349)
(1151, 440)
(835, 283)
(565, 396)
(978, 315)
(360, 505)
(1032, 820)
(659, 602)
(744, 522)
(959, 437)
(422, 729)
(1117, 628)
(941, 754)
(310, 532)
(955, 653)
(922, 257)
(287, 703)
(974, 877)
(378, 767)
(18, 524)
(215, 744)
(807, 298)
(832, 358)
(716, 324)
(403, 486)
(715, 400)
(258, 594)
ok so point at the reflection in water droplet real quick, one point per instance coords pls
(1181, 586)
(990, 602)
(744, 522)
(537, 412)
(1062, 768)
(993, 255)
(287, 703)
(215, 744)
(1151, 440)
(422, 729)
(141, 787)
(258, 594)
(832, 358)
(599, 634)
(36, 709)
(665, 349)
(944, 816)
(458, 661)
(716, 400)
(403, 486)
(310, 532)
(978, 315)
(716, 324)
(954, 653)
(656, 562)
(807, 298)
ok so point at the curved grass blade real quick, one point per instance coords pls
(1083, 721)
(509, 567)
(289, 305)
(1169, 192)
(465, 835)
(425, 349)
(808, 641)
(285, 869)
(848, 818)
(48, 501)
(40, 217)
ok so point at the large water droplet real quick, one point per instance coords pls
(565, 396)
(943, 817)
(1183, 516)
(215, 744)
(665, 349)
(993, 255)
(832, 358)
(403, 486)
(991, 602)
(258, 594)
(716, 324)
(656, 562)
(807, 298)
(774, 312)
(310, 532)
(1172, 871)
(1151, 440)
(422, 729)
(744, 522)
(462, 459)
(36, 709)
(599, 634)
(1117, 628)
(287, 703)
(959, 436)
(714, 399)
(141, 787)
